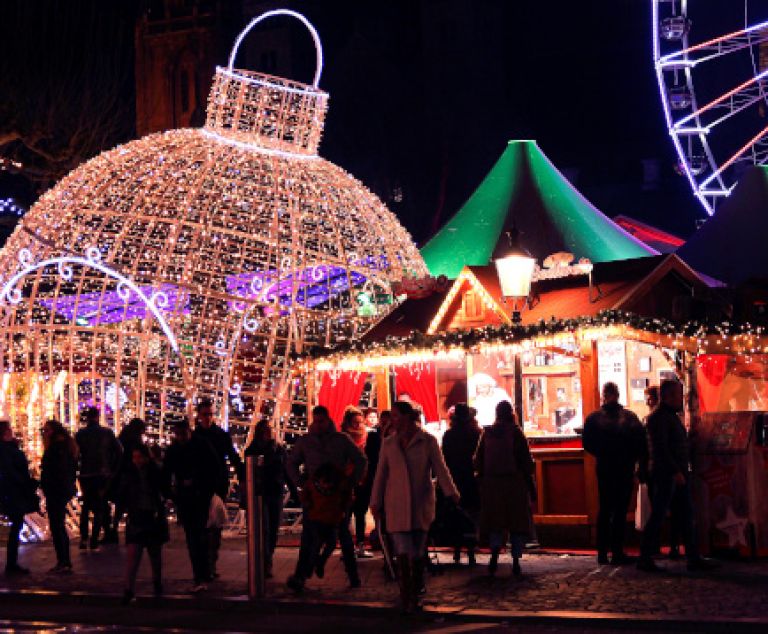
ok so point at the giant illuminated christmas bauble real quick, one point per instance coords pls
(195, 262)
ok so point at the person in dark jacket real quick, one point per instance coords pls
(615, 436)
(459, 446)
(100, 455)
(141, 495)
(225, 450)
(131, 437)
(677, 506)
(193, 468)
(273, 466)
(58, 480)
(669, 471)
(17, 494)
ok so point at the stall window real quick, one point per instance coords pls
(551, 388)
(646, 365)
(551, 392)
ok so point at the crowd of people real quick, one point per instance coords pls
(389, 466)
(135, 479)
(385, 463)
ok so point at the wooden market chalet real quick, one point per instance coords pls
(603, 306)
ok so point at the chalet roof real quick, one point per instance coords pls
(615, 287)
(526, 189)
(412, 314)
(731, 245)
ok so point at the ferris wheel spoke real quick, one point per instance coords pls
(717, 47)
(744, 149)
(757, 155)
(729, 104)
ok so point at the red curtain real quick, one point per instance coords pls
(339, 389)
(419, 381)
(711, 373)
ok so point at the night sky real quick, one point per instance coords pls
(424, 93)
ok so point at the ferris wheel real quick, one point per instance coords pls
(713, 90)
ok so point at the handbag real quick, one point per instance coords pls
(217, 513)
(643, 507)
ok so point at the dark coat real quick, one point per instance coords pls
(459, 447)
(616, 437)
(274, 474)
(142, 494)
(225, 450)
(58, 469)
(194, 471)
(372, 451)
(504, 466)
(17, 487)
(667, 443)
(100, 452)
(129, 440)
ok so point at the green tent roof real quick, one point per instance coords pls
(525, 187)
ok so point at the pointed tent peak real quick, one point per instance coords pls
(730, 246)
(525, 187)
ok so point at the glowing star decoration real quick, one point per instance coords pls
(735, 527)
(245, 243)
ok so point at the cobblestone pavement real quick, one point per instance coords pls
(550, 583)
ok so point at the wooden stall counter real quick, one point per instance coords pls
(565, 511)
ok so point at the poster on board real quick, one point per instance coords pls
(612, 365)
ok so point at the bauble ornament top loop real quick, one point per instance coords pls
(271, 14)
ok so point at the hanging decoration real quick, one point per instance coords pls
(699, 337)
(256, 246)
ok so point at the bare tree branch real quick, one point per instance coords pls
(67, 83)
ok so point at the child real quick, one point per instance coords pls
(147, 526)
(326, 498)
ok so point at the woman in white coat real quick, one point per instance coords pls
(403, 493)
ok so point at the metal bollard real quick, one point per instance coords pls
(255, 527)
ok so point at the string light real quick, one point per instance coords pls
(697, 337)
(8, 207)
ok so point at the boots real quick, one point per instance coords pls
(419, 587)
(493, 564)
(406, 584)
(350, 565)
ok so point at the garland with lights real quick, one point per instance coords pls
(694, 335)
